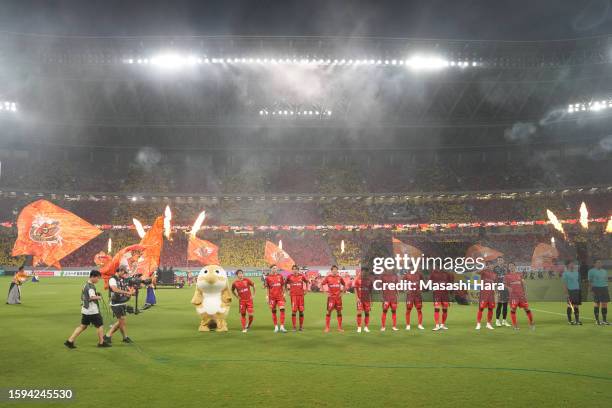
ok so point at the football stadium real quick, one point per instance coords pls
(293, 204)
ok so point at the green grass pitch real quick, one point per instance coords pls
(171, 364)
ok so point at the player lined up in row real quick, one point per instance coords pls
(513, 294)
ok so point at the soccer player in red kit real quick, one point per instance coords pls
(296, 283)
(275, 283)
(441, 298)
(363, 294)
(414, 297)
(513, 280)
(389, 299)
(335, 286)
(241, 288)
(487, 298)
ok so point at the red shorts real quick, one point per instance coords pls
(414, 300)
(487, 299)
(297, 303)
(334, 303)
(440, 297)
(389, 305)
(274, 303)
(443, 305)
(521, 302)
(246, 306)
(364, 306)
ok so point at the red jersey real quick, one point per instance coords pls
(296, 283)
(441, 277)
(389, 295)
(334, 285)
(243, 287)
(275, 284)
(488, 277)
(514, 284)
(416, 279)
(363, 289)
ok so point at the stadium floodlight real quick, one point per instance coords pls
(8, 106)
(174, 60)
(169, 61)
(284, 112)
(592, 106)
(426, 63)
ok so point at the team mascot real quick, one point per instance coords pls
(212, 298)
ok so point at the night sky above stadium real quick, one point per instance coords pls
(469, 19)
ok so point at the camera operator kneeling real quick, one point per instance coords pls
(120, 294)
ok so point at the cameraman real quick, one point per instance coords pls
(120, 294)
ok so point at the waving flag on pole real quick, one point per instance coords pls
(49, 233)
(122, 257)
(152, 243)
(275, 255)
(202, 251)
(481, 251)
(400, 248)
(544, 256)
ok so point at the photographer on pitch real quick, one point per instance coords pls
(120, 294)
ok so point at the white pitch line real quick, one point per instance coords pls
(558, 314)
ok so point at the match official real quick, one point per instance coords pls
(598, 279)
(571, 282)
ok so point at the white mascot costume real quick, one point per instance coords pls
(212, 298)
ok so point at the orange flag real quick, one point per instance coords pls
(202, 251)
(543, 257)
(400, 248)
(101, 259)
(49, 233)
(481, 251)
(124, 257)
(275, 255)
(152, 243)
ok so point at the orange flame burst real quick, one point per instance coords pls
(584, 216)
(197, 224)
(167, 219)
(139, 228)
(555, 221)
